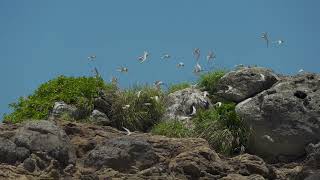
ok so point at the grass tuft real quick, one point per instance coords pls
(209, 80)
(172, 128)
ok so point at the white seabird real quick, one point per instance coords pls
(144, 57)
(278, 42)
(127, 106)
(196, 53)
(128, 131)
(165, 56)
(265, 37)
(268, 138)
(93, 57)
(197, 68)
(122, 69)
(194, 111)
(301, 71)
(139, 93)
(180, 64)
(211, 56)
(263, 78)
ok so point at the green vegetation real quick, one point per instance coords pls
(79, 91)
(209, 80)
(222, 128)
(177, 87)
(172, 128)
(143, 112)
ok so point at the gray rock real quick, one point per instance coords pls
(10, 153)
(313, 155)
(29, 164)
(284, 118)
(100, 118)
(246, 82)
(45, 136)
(122, 154)
(179, 104)
(102, 105)
(61, 108)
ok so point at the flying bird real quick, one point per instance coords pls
(180, 64)
(265, 37)
(196, 53)
(278, 42)
(93, 57)
(301, 71)
(211, 56)
(122, 69)
(197, 68)
(144, 57)
(128, 131)
(165, 56)
(158, 84)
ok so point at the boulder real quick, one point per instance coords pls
(179, 104)
(246, 82)
(285, 118)
(100, 118)
(61, 108)
(122, 154)
(45, 136)
(10, 153)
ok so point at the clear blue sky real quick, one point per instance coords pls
(42, 39)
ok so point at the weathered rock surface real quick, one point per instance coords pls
(179, 104)
(245, 82)
(103, 152)
(10, 153)
(100, 118)
(284, 118)
(61, 108)
(46, 137)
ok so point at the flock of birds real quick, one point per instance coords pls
(210, 57)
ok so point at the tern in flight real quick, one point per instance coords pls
(278, 42)
(122, 69)
(165, 56)
(196, 53)
(301, 71)
(144, 57)
(93, 57)
(265, 37)
(197, 68)
(211, 56)
(180, 64)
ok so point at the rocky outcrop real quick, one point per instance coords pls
(47, 138)
(61, 108)
(104, 152)
(179, 104)
(284, 118)
(10, 153)
(244, 83)
(100, 118)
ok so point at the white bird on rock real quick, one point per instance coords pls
(127, 106)
(128, 131)
(194, 111)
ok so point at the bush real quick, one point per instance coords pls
(177, 87)
(139, 116)
(222, 128)
(172, 128)
(209, 80)
(79, 91)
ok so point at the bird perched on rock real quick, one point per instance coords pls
(180, 64)
(265, 37)
(144, 57)
(211, 56)
(122, 69)
(93, 57)
(196, 53)
(194, 110)
(128, 131)
(165, 56)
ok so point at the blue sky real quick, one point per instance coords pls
(42, 39)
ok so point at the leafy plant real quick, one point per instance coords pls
(79, 91)
(177, 87)
(172, 128)
(137, 109)
(209, 80)
(222, 128)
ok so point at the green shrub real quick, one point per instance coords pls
(209, 80)
(222, 128)
(139, 116)
(79, 91)
(177, 87)
(172, 128)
